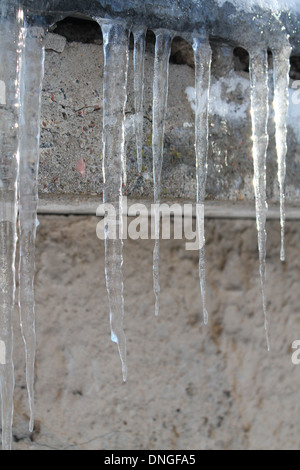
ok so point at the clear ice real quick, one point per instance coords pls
(139, 67)
(116, 54)
(21, 75)
(260, 114)
(32, 72)
(10, 41)
(281, 60)
(160, 100)
(203, 56)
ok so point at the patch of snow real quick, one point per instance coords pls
(220, 103)
(294, 109)
(274, 5)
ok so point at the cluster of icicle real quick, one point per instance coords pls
(116, 50)
(21, 75)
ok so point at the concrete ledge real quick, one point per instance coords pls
(83, 205)
(241, 26)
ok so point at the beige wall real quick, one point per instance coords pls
(189, 387)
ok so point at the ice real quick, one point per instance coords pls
(32, 71)
(160, 99)
(274, 5)
(139, 67)
(260, 114)
(116, 54)
(281, 59)
(21, 75)
(203, 56)
(10, 44)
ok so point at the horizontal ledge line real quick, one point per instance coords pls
(77, 205)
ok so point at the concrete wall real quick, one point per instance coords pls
(189, 386)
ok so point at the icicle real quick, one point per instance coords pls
(139, 66)
(10, 38)
(160, 99)
(32, 71)
(203, 54)
(281, 103)
(260, 114)
(116, 53)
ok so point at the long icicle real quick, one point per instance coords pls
(32, 72)
(260, 114)
(160, 99)
(116, 54)
(281, 59)
(10, 44)
(139, 67)
(203, 56)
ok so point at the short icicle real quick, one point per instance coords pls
(139, 67)
(116, 54)
(11, 19)
(203, 57)
(160, 99)
(32, 72)
(281, 58)
(260, 114)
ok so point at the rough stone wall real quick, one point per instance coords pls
(189, 386)
(71, 154)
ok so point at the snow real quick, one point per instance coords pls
(274, 5)
(293, 119)
(222, 107)
(219, 104)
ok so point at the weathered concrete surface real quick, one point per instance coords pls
(189, 387)
(71, 140)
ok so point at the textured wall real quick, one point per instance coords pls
(71, 141)
(188, 387)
